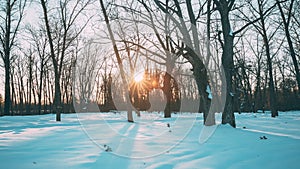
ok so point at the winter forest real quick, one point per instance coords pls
(218, 58)
(253, 45)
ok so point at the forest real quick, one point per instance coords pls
(66, 56)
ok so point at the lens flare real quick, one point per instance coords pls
(139, 77)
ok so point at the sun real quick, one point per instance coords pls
(138, 77)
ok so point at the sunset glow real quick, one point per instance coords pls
(139, 77)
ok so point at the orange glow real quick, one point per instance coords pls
(154, 84)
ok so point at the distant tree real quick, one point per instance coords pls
(30, 95)
(288, 95)
(105, 99)
(256, 48)
(38, 39)
(18, 87)
(242, 81)
(86, 73)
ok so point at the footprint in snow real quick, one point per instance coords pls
(263, 138)
(107, 148)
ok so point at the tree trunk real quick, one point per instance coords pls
(120, 64)
(40, 88)
(7, 101)
(57, 97)
(13, 95)
(29, 91)
(208, 54)
(168, 93)
(258, 93)
(228, 64)
(272, 95)
(201, 78)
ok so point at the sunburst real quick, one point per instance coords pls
(139, 77)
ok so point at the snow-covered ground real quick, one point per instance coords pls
(85, 141)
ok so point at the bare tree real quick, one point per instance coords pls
(11, 17)
(257, 49)
(37, 38)
(29, 91)
(189, 47)
(243, 69)
(263, 31)
(156, 45)
(295, 28)
(65, 34)
(224, 7)
(286, 20)
(118, 57)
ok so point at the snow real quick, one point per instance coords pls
(80, 141)
(209, 92)
(230, 32)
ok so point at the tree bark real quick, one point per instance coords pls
(7, 101)
(224, 8)
(208, 54)
(57, 97)
(201, 78)
(168, 93)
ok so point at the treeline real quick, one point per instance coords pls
(286, 93)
